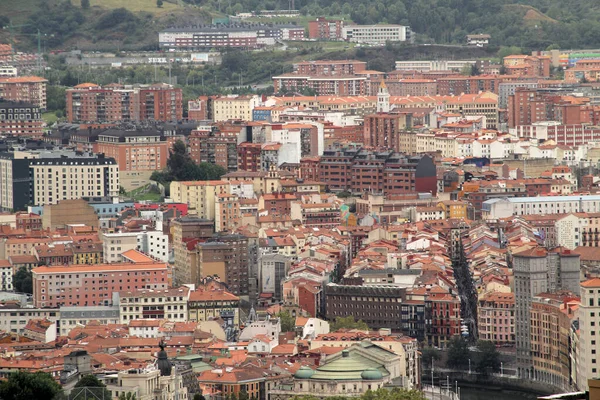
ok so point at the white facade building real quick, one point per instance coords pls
(376, 34)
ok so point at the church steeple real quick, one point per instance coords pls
(383, 98)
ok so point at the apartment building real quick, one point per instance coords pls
(204, 305)
(468, 84)
(248, 156)
(589, 323)
(234, 107)
(200, 196)
(248, 36)
(20, 119)
(523, 65)
(496, 317)
(376, 34)
(382, 130)
(206, 147)
(551, 317)
(359, 170)
(82, 285)
(228, 215)
(27, 89)
(41, 181)
(507, 207)
(322, 85)
(88, 102)
(324, 29)
(536, 271)
(437, 65)
(226, 257)
(13, 319)
(134, 150)
(330, 67)
(185, 230)
(170, 304)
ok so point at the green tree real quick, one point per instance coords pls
(22, 281)
(428, 355)
(199, 396)
(348, 323)
(458, 353)
(159, 3)
(488, 357)
(129, 396)
(85, 4)
(288, 323)
(28, 386)
(89, 385)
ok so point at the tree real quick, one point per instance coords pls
(85, 4)
(130, 396)
(288, 323)
(88, 386)
(348, 323)
(488, 357)
(475, 70)
(428, 355)
(28, 386)
(159, 3)
(199, 396)
(458, 353)
(22, 281)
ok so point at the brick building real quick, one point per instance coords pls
(496, 317)
(330, 67)
(381, 129)
(88, 102)
(322, 85)
(28, 89)
(134, 150)
(324, 29)
(360, 170)
(83, 285)
(214, 148)
(249, 156)
(408, 87)
(468, 84)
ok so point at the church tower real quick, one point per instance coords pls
(383, 98)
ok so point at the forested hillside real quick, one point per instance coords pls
(530, 24)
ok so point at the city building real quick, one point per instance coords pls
(322, 85)
(377, 34)
(382, 130)
(185, 231)
(20, 119)
(88, 102)
(359, 170)
(134, 150)
(496, 317)
(536, 271)
(67, 212)
(200, 196)
(205, 305)
(72, 317)
(170, 304)
(437, 65)
(41, 181)
(27, 89)
(243, 36)
(324, 29)
(589, 347)
(227, 213)
(82, 285)
(234, 107)
(479, 40)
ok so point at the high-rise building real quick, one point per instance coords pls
(186, 230)
(41, 181)
(134, 150)
(88, 102)
(28, 89)
(20, 119)
(536, 271)
(588, 360)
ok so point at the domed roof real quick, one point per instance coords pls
(371, 374)
(304, 373)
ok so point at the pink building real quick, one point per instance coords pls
(88, 285)
(497, 317)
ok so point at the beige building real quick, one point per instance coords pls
(147, 384)
(184, 230)
(200, 196)
(76, 211)
(234, 107)
(588, 362)
(58, 179)
(115, 244)
(170, 304)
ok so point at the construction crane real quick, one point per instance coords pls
(11, 28)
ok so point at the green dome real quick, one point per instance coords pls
(371, 374)
(304, 373)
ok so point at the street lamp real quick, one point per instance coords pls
(501, 369)
(469, 366)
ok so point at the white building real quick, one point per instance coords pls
(437, 65)
(270, 328)
(376, 34)
(144, 328)
(155, 244)
(7, 70)
(507, 207)
(170, 304)
(73, 317)
(311, 327)
(6, 276)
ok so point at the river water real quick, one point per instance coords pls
(483, 394)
